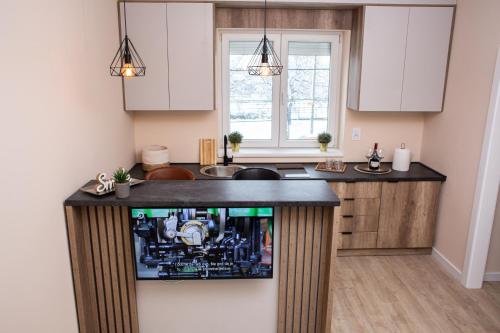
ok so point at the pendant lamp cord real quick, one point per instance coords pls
(125, 14)
(265, 16)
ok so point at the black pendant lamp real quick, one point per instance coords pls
(127, 62)
(265, 61)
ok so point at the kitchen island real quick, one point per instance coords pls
(101, 248)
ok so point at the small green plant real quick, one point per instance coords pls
(235, 137)
(121, 176)
(324, 137)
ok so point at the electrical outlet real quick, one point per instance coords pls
(356, 134)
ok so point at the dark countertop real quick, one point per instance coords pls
(217, 193)
(417, 172)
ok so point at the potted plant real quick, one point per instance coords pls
(324, 138)
(235, 138)
(122, 183)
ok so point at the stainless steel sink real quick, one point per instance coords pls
(221, 170)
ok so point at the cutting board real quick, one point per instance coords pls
(208, 151)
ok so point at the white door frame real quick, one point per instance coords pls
(485, 199)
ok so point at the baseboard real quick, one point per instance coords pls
(382, 252)
(447, 265)
(492, 276)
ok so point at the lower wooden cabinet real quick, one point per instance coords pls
(408, 214)
(386, 215)
(357, 240)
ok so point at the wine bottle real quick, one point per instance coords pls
(374, 160)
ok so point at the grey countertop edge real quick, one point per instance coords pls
(202, 193)
(197, 204)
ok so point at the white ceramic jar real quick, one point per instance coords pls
(154, 157)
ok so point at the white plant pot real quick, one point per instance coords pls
(122, 190)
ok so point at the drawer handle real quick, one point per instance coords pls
(346, 233)
(349, 199)
(348, 216)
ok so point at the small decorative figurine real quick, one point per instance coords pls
(103, 184)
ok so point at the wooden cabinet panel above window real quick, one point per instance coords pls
(399, 58)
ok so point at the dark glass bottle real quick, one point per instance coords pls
(374, 160)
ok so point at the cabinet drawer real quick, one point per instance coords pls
(359, 206)
(357, 240)
(357, 190)
(358, 223)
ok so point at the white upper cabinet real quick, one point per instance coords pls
(429, 30)
(147, 29)
(383, 58)
(399, 58)
(190, 56)
(175, 41)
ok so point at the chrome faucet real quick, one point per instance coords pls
(226, 159)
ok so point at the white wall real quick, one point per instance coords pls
(62, 122)
(453, 139)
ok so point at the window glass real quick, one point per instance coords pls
(250, 97)
(308, 89)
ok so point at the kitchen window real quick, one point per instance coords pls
(286, 111)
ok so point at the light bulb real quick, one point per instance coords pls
(265, 70)
(128, 70)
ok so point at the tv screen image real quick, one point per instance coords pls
(202, 243)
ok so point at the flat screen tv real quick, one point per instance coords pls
(202, 243)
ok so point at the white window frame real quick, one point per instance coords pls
(249, 36)
(280, 40)
(333, 93)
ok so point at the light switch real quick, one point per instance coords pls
(356, 134)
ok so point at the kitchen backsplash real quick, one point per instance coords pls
(180, 131)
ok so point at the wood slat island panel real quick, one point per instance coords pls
(103, 270)
(104, 273)
(307, 257)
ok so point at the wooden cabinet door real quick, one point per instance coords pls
(408, 214)
(191, 56)
(427, 44)
(147, 29)
(383, 58)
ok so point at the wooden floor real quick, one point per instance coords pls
(409, 294)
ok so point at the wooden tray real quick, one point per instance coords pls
(91, 187)
(363, 168)
(321, 166)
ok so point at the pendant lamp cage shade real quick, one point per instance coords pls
(265, 62)
(127, 61)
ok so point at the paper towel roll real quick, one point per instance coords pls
(402, 159)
